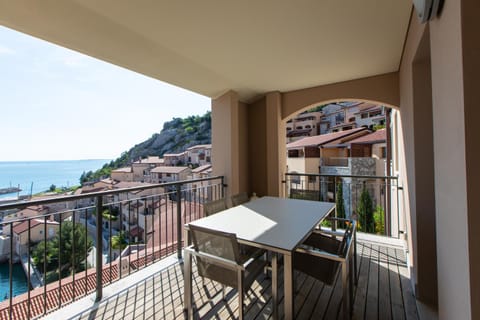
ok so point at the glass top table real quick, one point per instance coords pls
(278, 225)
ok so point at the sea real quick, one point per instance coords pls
(37, 176)
(34, 177)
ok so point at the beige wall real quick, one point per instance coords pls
(229, 142)
(418, 179)
(455, 103)
(122, 176)
(382, 89)
(471, 72)
(380, 169)
(303, 165)
(257, 146)
(333, 152)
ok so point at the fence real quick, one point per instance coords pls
(373, 200)
(95, 239)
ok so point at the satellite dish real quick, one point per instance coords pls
(427, 9)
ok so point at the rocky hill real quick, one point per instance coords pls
(176, 136)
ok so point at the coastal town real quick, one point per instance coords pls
(342, 138)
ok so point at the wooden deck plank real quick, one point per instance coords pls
(409, 303)
(361, 289)
(383, 285)
(395, 288)
(371, 308)
(384, 304)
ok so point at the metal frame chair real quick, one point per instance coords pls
(213, 207)
(219, 258)
(239, 199)
(322, 256)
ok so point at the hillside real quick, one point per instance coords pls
(176, 136)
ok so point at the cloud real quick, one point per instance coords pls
(6, 50)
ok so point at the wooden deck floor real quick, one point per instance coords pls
(383, 292)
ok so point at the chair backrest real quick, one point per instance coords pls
(213, 207)
(219, 244)
(239, 198)
(347, 239)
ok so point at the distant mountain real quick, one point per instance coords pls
(176, 136)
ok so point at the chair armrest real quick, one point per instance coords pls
(319, 253)
(219, 260)
(329, 232)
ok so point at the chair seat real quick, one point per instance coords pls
(319, 268)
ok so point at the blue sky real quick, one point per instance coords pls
(57, 104)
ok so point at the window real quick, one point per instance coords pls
(364, 115)
(383, 151)
(299, 128)
(312, 179)
(51, 232)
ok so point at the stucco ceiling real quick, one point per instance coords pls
(213, 46)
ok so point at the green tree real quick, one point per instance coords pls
(39, 257)
(379, 218)
(119, 242)
(339, 202)
(71, 246)
(365, 212)
(53, 187)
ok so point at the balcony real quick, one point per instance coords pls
(383, 292)
(145, 277)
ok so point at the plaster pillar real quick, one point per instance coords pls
(276, 144)
(455, 52)
(229, 142)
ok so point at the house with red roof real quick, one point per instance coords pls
(40, 230)
(304, 155)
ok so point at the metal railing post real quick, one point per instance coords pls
(223, 187)
(334, 226)
(99, 242)
(179, 222)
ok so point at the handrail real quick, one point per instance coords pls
(340, 175)
(169, 205)
(24, 204)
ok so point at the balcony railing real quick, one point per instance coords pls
(334, 162)
(77, 250)
(374, 200)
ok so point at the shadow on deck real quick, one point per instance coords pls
(383, 292)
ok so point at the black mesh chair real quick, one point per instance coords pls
(219, 258)
(239, 199)
(213, 207)
(324, 253)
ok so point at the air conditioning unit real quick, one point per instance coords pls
(427, 9)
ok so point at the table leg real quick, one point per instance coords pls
(288, 285)
(275, 285)
(187, 278)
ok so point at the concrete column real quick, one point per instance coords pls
(455, 67)
(426, 273)
(276, 144)
(266, 143)
(229, 142)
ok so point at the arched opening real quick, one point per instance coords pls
(346, 156)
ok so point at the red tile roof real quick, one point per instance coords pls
(125, 169)
(322, 139)
(166, 169)
(202, 168)
(23, 226)
(378, 136)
